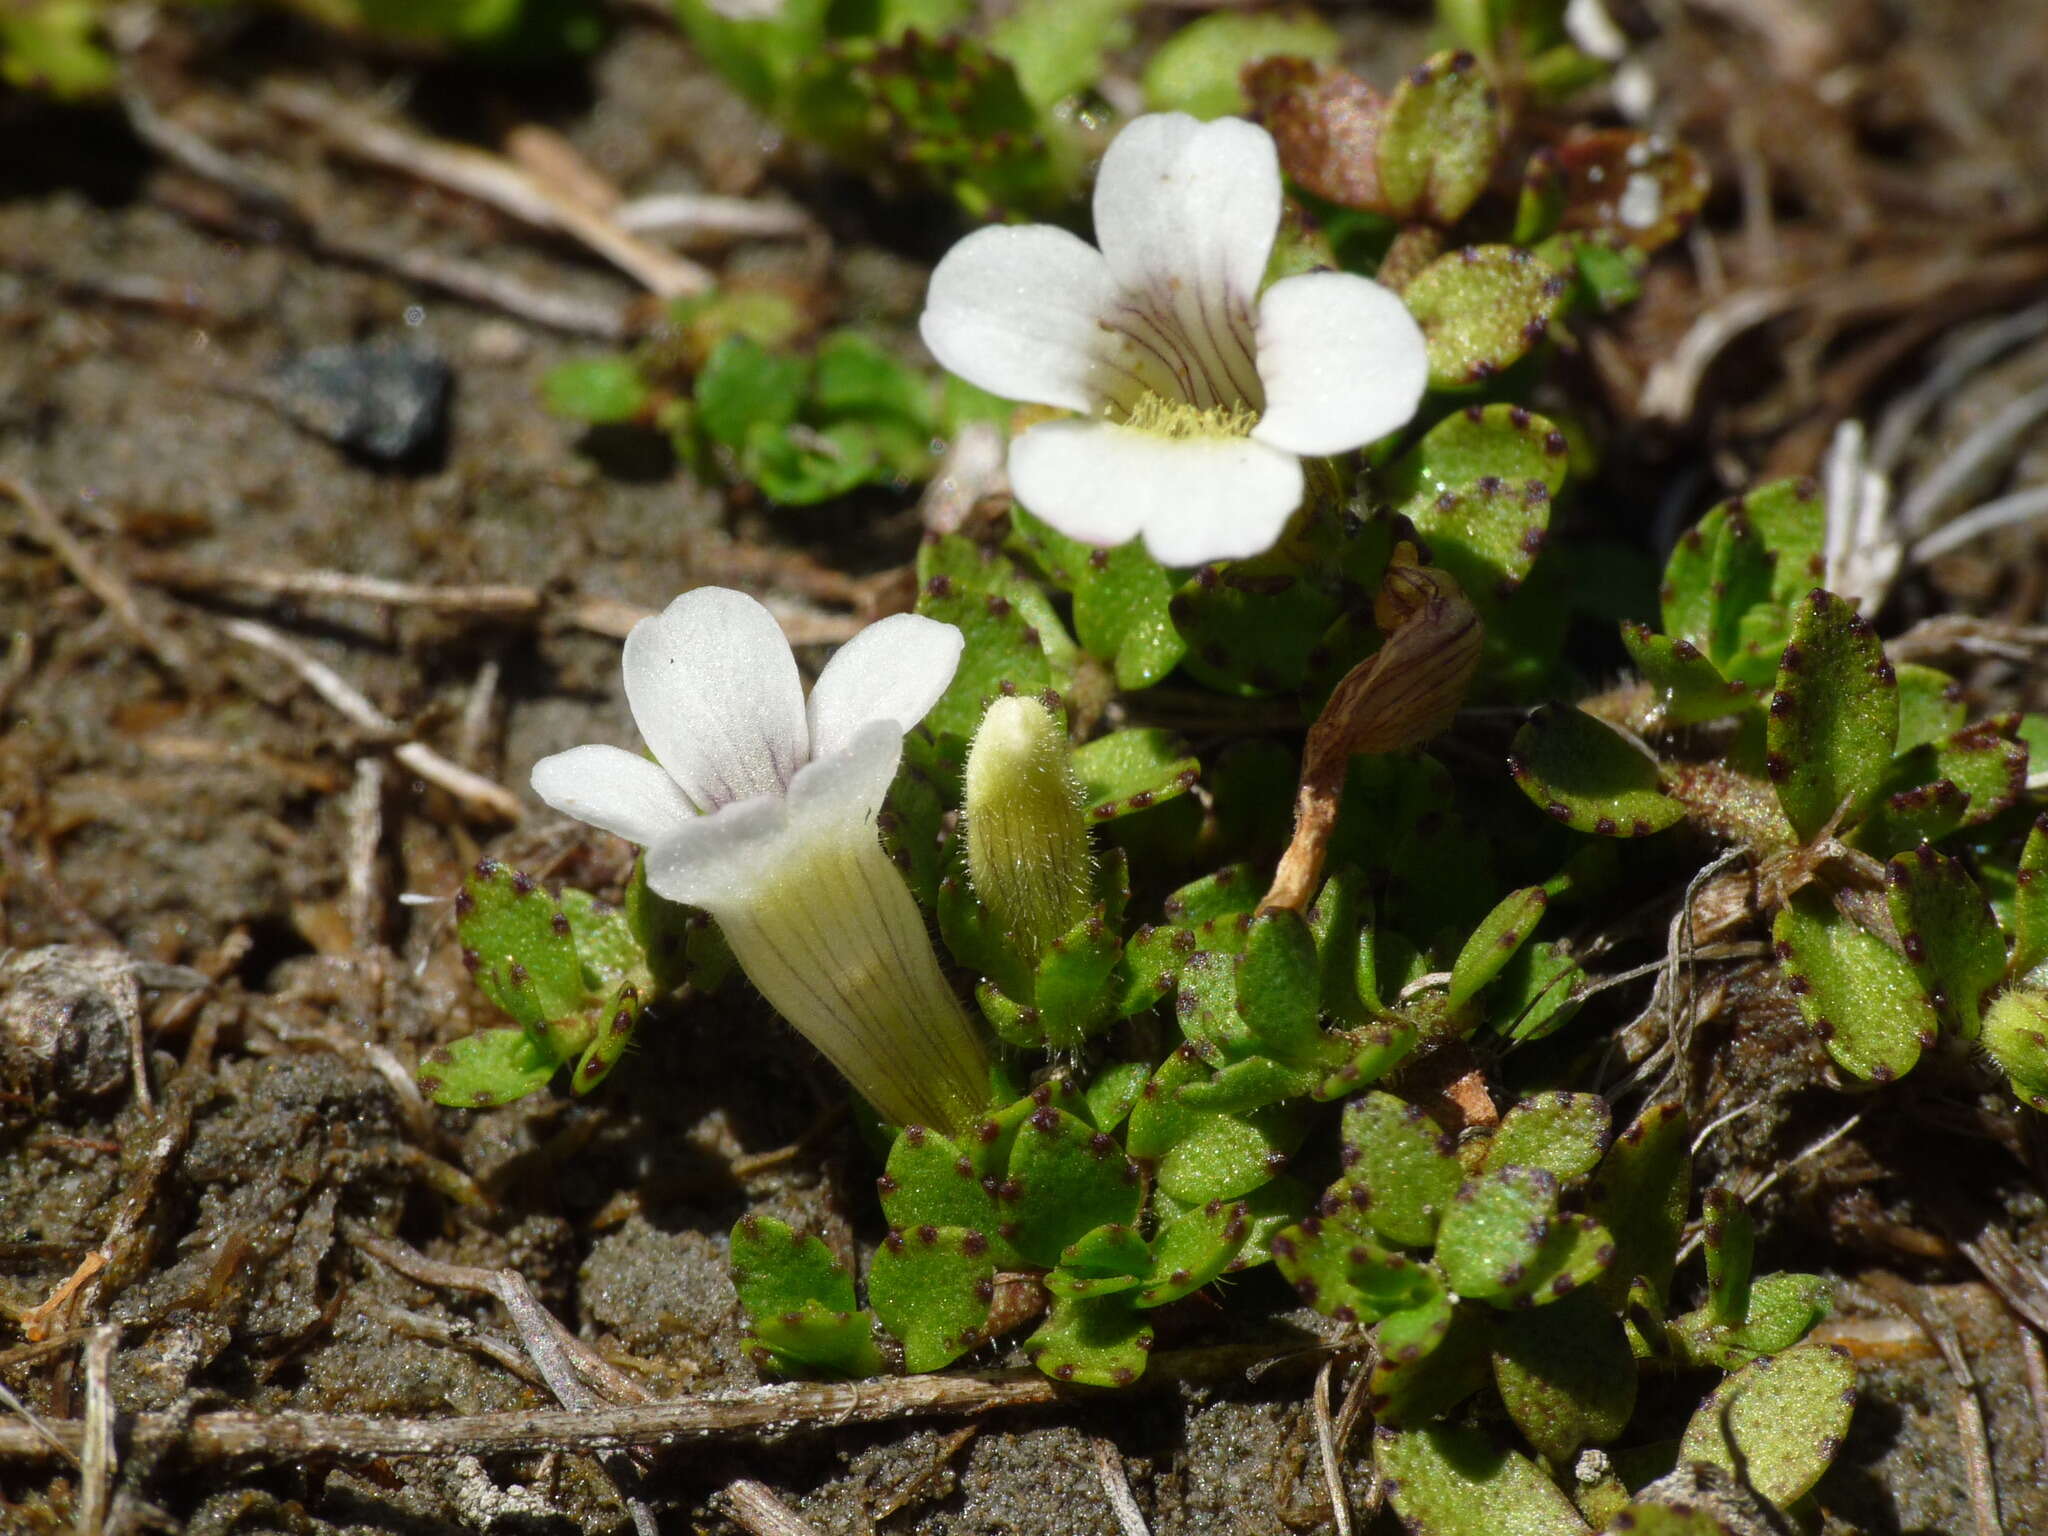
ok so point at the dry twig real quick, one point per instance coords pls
(1116, 1487)
(756, 1509)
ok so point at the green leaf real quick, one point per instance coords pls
(601, 390)
(1215, 901)
(1960, 781)
(1732, 579)
(744, 387)
(1566, 1133)
(611, 1031)
(812, 1337)
(1834, 717)
(1133, 770)
(1193, 1249)
(486, 1069)
(1057, 46)
(1481, 310)
(678, 944)
(1729, 1237)
(1073, 993)
(1401, 1170)
(1252, 626)
(1495, 1229)
(1094, 1341)
(1112, 1092)
(1069, 1179)
(2016, 1037)
(1585, 774)
(1279, 987)
(1479, 488)
(1930, 706)
(1778, 1422)
(930, 1181)
(1538, 992)
(1221, 1157)
(1640, 1193)
(1439, 140)
(1458, 1482)
(1950, 937)
(1121, 601)
(776, 1269)
(1566, 1375)
(1197, 69)
(1342, 1271)
(1495, 942)
(1782, 1309)
(1430, 1357)
(2030, 903)
(855, 376)
(1860, 997)
(931, 1288)
(1689, 688)
(1015, 643)
(516, 942)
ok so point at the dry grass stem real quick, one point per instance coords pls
(694, 219)
(1921, 1306)
(1116, 1488)
(1327, 1449)
(756, 1509)
(97, 1462)
(94, 577)
(480, 794)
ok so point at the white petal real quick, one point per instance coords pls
(720, 859)
(715, 691)
(1342, 361)
(619, 791)
(1193, 499)
(1017, 311)
(845, 790)
(1181, 199)
(894, 670)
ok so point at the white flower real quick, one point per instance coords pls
(761, 810)
(1199, 395)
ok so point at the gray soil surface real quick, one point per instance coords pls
(171, 794)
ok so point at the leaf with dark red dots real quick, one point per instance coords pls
(1427, 1359)
(1564, 1132)
(1647, 1519)
(1438, 140)
(1963, 780)
(1253, 627)
(1952, 941)
(931, 1288)
(1073, 991)
(1778, 1422)
(486, 1069)
(605, 941)
(1325, 123)
(1930, 706)
(1250, 1084)
(1092, 1341)
(1686, 687)
(1221, 1157)
(1069, 1178)
(1115, 1251)
(1781, 1310)
(1451, 1481)
(2030, 904)
(1566, 1375)
(1576, 1252)
(931, 1181)
(1401, 1169)
(1496, 941)
(1640, 1193)
(1538, 993)
(1133, 770)
(1833, 718)
(611, 1030)
(1015, 642)
(1728, 1237)
(913, 817)
(1732, 579)
(1121, 598)
(1853, 989)
(526, 959)
(1482, 310)
(1495, 1230)
(1589, 776)
(1337, 1266)
(1279, 989)
(1194, 1248)
(813, 1339)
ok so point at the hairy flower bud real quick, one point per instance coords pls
(1027, 846)
(2016, 1037)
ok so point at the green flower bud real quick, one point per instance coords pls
(2016, 1037)
(1027, 844)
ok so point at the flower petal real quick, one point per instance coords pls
(1179, 196)
(715, 691)
(894, 670)
(614, 789)
(1342, 361)
(719, 860)
(1017, 311)
(1194, 499)
(845, 790)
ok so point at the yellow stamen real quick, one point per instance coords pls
(1177, 419)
